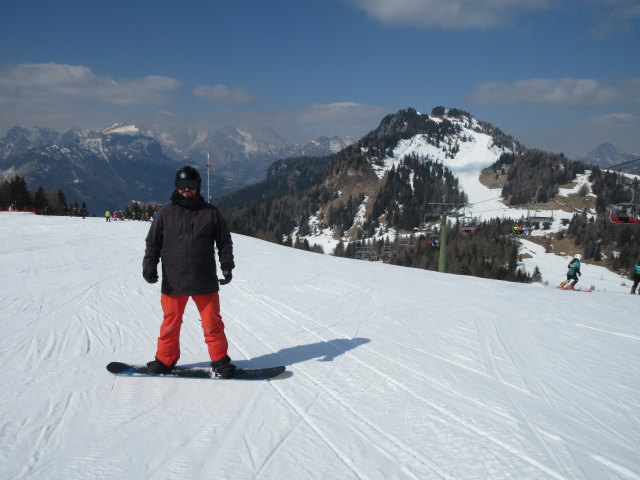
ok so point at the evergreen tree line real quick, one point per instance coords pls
(611, 188)
(490, 253)
(409, 190)
(14, 194)
(532, 168)
(600, 240)
(284, 177)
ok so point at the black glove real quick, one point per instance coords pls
(227, 277)
(151, 276)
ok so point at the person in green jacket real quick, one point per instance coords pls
(573, 273)
(636, 277)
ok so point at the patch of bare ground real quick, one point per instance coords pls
(353, 187)
(492, 179)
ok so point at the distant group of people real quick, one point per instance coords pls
(521, 230)
(120, 215)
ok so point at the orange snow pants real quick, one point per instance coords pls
(173, 309)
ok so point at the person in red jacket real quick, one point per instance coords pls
(184, 237)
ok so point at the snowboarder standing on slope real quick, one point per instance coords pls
(573, 273)
(636, 277)
(184, 236)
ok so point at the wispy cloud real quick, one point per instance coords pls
(616, 16)
(224, 94)
(350, 119)
(338, 112)
(449, 14)
(564, 92)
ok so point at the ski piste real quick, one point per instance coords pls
(130, 370)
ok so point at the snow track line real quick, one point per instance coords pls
(398, 443)
(301, 419)
(301, 413)
(478, 431)
(625, 335)
(490, 358)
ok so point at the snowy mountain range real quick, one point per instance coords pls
(104, 168)
(107, 168)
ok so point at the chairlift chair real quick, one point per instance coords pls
(623, 213)
(407, 243)
(541, 213)
(362, 253)
(468, 224)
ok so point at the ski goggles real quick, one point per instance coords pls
(185, 183)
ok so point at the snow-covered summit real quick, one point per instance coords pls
(122, 129)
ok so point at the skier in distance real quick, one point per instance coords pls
(573, 273)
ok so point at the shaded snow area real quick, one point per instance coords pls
(395, 373)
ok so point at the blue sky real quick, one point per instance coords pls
(560, 75)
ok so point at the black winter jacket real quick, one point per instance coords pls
(183, 236)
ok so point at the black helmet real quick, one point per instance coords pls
(188, 177)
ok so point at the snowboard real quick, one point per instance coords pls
(128, 370)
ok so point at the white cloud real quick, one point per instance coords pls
(564, 92)
(61, 82)
(449, 14)
(60, 96)
(223, 94)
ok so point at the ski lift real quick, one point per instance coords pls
(363, 253)
(385, 254)
(407, 243)
(624, 212)
(541, 213)
(468, 224)
(411, 247)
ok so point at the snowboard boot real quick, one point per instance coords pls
(156, 367)
(570, 287)
(223, 368)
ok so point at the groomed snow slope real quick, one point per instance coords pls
(396, 373)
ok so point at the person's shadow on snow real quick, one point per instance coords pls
(322, 351)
